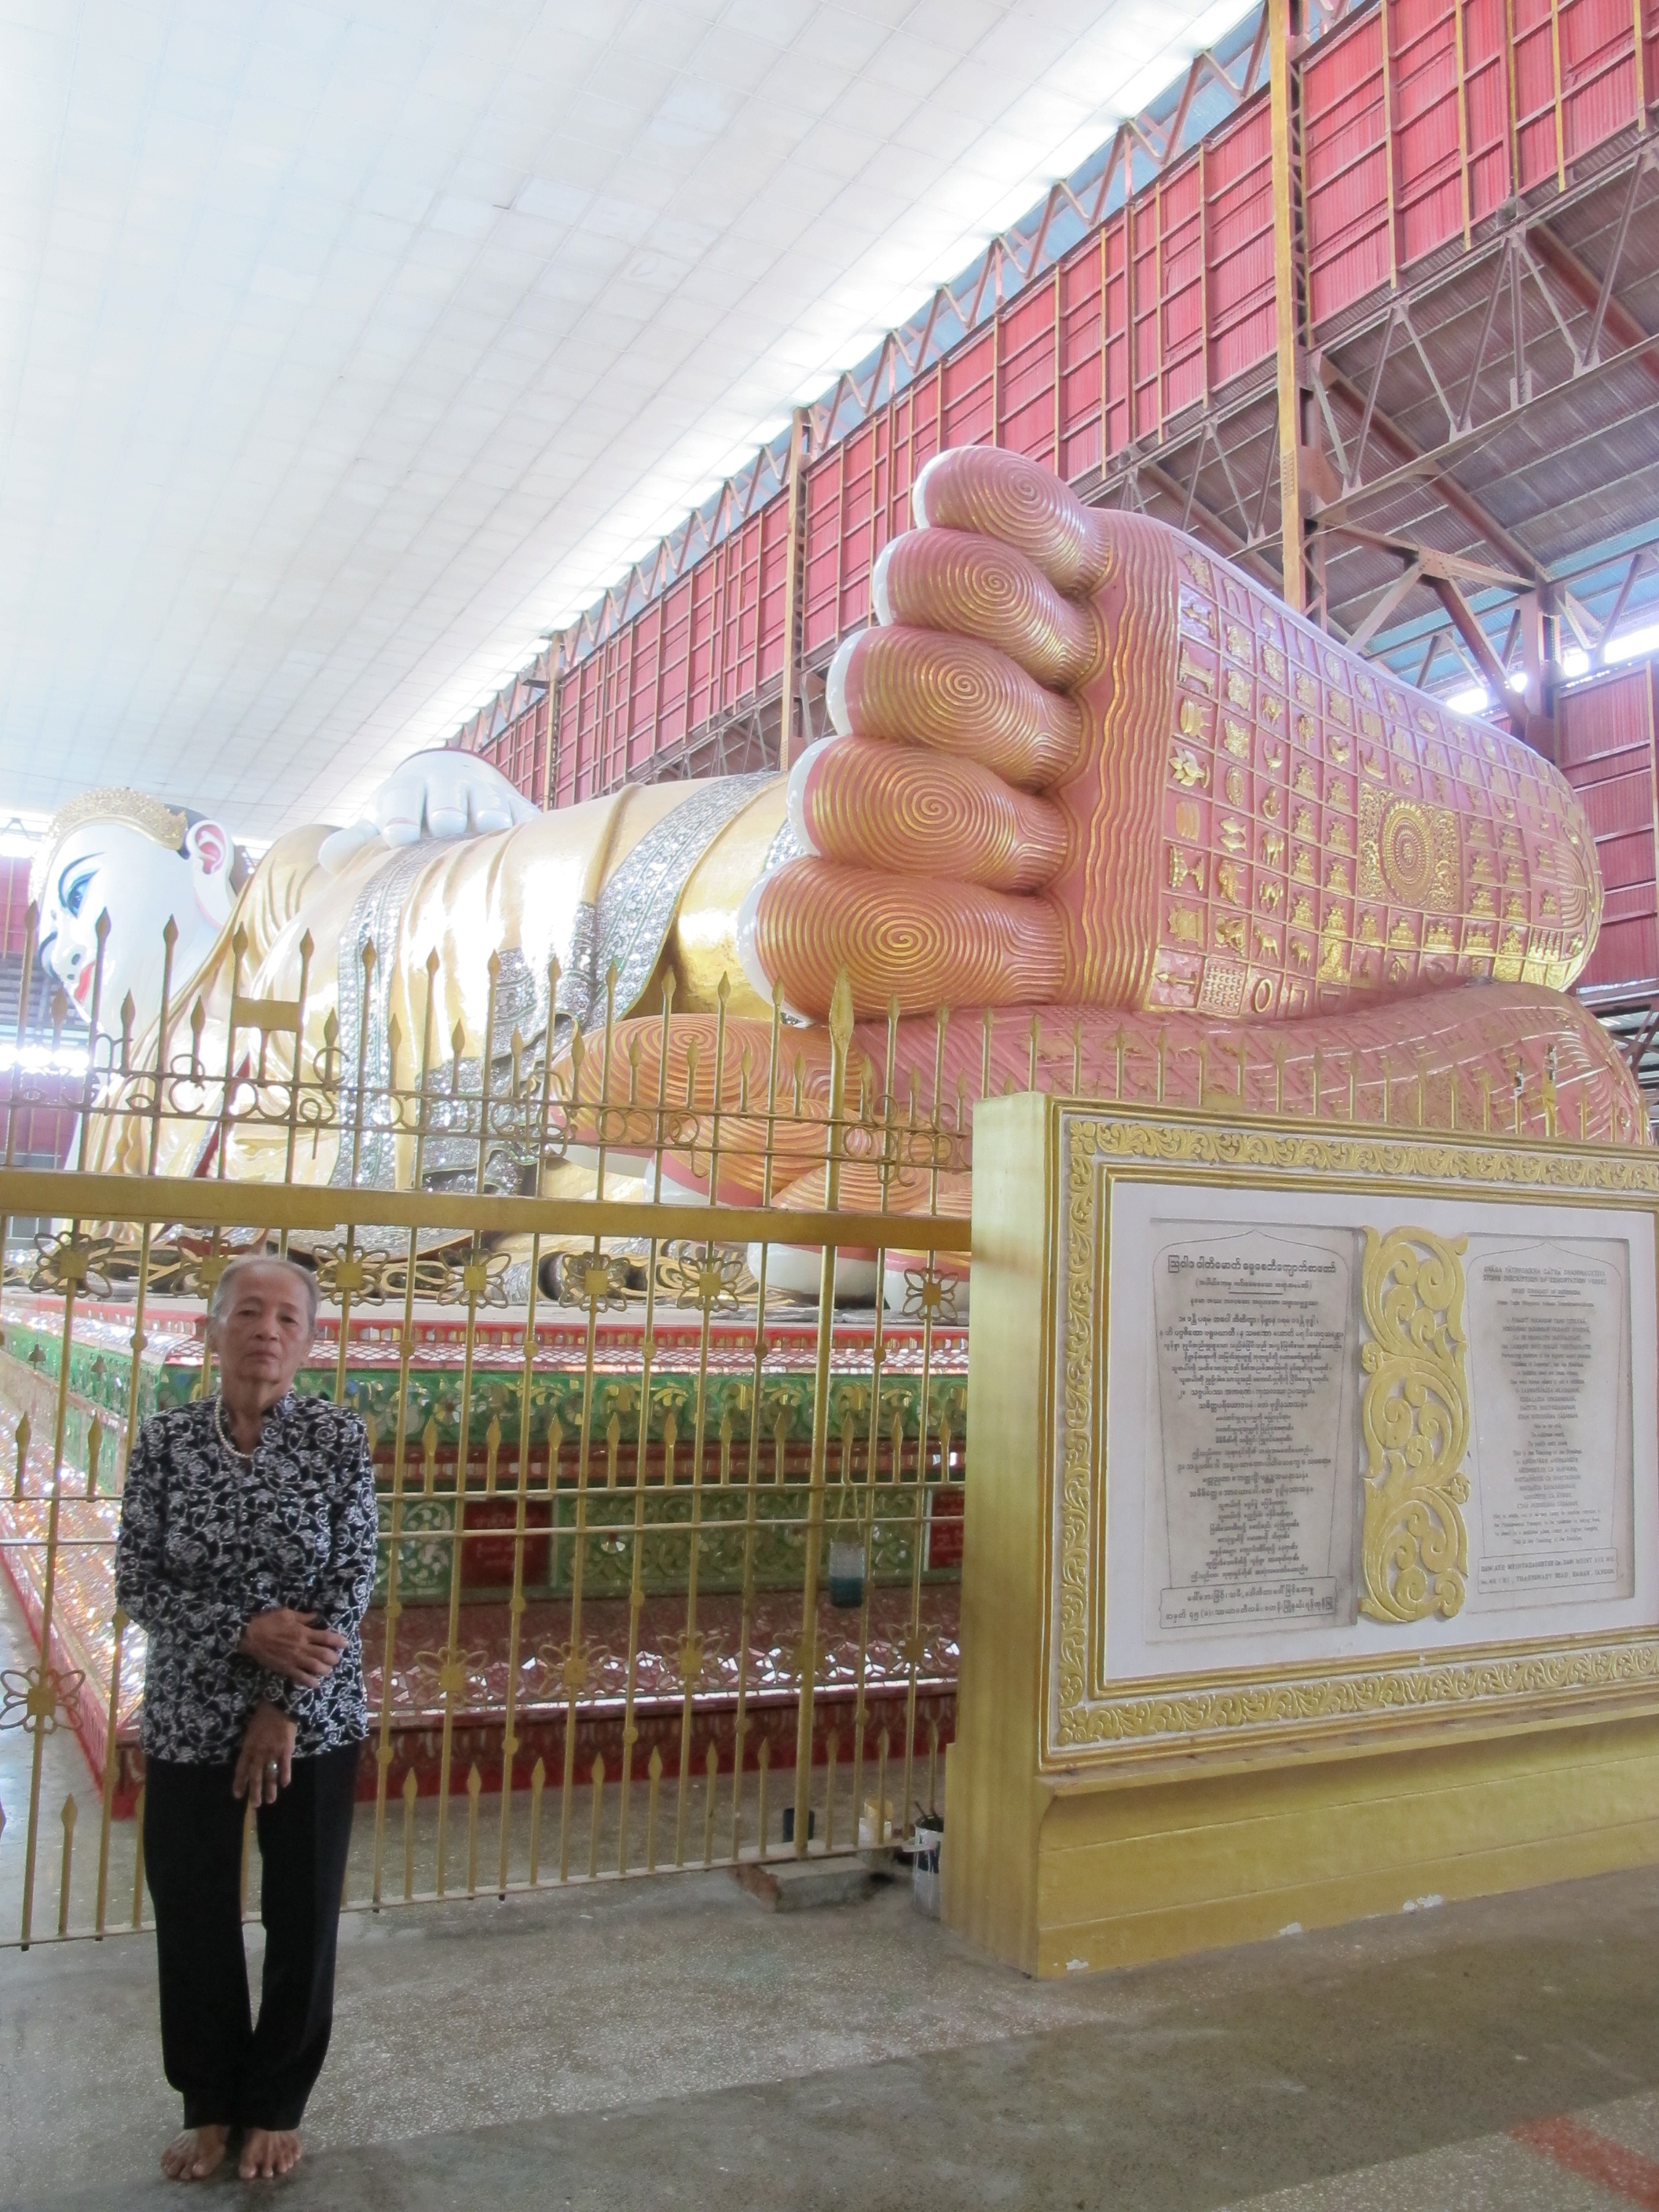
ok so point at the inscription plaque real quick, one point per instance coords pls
(1339, 1442)
(1549, 1359)
(1250, 1521)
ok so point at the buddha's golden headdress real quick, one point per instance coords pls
(110, 803)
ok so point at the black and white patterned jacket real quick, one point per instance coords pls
(207, 1541)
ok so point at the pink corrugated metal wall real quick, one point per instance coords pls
(709, 643)
(1424, 118)
(1607, 729)
(1420, 118)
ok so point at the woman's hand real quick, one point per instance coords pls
(291, 1644)
(266, 1761)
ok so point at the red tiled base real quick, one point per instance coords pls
(769, 1689)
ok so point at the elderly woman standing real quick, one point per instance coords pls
(246, 1551)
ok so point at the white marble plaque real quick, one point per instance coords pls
(1233, 1463)
(1252, 1479)
(1550, 1384)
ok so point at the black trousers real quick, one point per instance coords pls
(229, 2072)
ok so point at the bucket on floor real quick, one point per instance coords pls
(926, 1844)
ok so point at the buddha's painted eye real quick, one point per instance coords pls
(72, 888)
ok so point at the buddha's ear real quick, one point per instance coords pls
(211, 847)
(211, 851)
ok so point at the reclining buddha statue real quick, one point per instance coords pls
(1090, 786)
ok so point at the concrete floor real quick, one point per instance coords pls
(672, 2045)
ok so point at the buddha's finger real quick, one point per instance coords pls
(924, 943)
(973, 587)
(1003, 495)
(898, 809)
(958, 696)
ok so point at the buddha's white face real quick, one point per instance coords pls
(110, 867)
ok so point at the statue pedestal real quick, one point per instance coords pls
(1312, 1545)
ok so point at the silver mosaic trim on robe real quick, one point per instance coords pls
(456, 1095)
(375, 915)
(784, 846)
(636, 909)
(630, 924)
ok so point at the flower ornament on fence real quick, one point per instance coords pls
(711, 1281)
(570, 1666)
(590, 1279)
(928, 1296)
(692, 1655)
(77, 1264)
(40, 1700)
(454, 1671)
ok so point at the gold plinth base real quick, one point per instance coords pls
(1109, 1876)
(1095, 1819)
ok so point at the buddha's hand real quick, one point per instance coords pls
(957, 849)
(435, 796)
(1081, 760)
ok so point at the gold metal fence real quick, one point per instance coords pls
(668, 1552)
(702, 1529)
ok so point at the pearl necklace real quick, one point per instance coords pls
(235, 1450)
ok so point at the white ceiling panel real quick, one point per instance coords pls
(346, 347)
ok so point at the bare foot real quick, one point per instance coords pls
(267, 2152)
(194, 2155)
